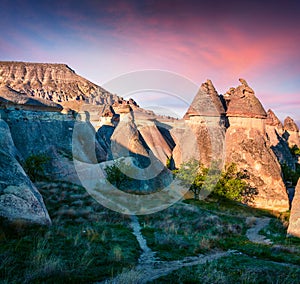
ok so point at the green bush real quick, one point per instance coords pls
(230, 183)
(116, 176)
(34, 166)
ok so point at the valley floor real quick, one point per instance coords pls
(212, 241)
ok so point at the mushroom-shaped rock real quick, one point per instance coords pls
(242, 102)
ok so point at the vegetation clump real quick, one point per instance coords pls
(34, 166)
(231, 183)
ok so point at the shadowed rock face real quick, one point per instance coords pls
(291, 132)
(278, 144)
(294, 222)
(19, 199)
(247, 146)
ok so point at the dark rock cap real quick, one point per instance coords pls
(242, 102)
(290, 125)
(207, 102)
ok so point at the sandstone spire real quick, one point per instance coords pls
(291, 132)
(290, 125)
(206, 103)
(273, 120)
(247, 146)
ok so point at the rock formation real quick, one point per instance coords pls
(291, 132)
(294, 222)
(247, 146)
(52, 82)
(44, 104)
(201, 135)
(279, 145)
(20, 201)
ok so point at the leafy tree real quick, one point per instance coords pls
(116, 176)
(230, 184)
(192, 174)
(34, 166)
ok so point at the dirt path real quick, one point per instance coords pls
(150, 268)
(253, 233)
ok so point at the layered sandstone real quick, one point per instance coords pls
(247, 146)
(52, 82)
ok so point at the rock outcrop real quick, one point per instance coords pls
(291, 132)
(20, 201)
(247, 146)
(278, 144)
(294, 222)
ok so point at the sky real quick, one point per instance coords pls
(196, 40)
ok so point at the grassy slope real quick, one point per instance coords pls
(85, 243)
(89, 243)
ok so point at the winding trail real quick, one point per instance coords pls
(253, 233)
(150, 268)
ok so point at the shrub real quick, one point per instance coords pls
(231, 182)
(116, 176)
(34, 166)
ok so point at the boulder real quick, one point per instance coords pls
(20, 201)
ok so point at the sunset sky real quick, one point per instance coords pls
(219, 40)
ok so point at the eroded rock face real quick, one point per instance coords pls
(278, 144)
(291, 132)
(247, 146)
(19, 199)
(294, 223)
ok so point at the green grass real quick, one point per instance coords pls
(203, 226)
(86, 242)
(234, 269)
